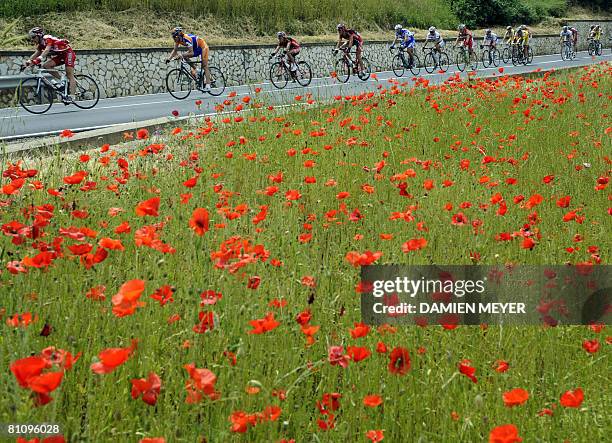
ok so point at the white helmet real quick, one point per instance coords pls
(508, 28)
(35, 32)
(488, 31)
(432, 29)
(398, 27)
(461, 27)
(340, 26)
(565, 28)
(281, 34)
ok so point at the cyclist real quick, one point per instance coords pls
(290, 46)
(522, 36)
(565, 36)
(347, 38)
(433, 36)
(490, 39)
(574, 32)
(509, 35)
(60, 53)
(466, 38)
(196, 47)
(407, 41)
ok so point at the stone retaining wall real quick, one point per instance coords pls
(122, 72)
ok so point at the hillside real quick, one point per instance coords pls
(111, 28)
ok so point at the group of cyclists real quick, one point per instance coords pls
(58, 51)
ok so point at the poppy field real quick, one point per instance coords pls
(202, 285)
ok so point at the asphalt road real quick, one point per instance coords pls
(16, 123)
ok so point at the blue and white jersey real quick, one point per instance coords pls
(566, 35)
(406, 38)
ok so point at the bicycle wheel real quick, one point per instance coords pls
(496, 56)
(87, 93)
(35, 96)
(415, 67)
(342, 70)
(179, 83)
(367, 69)
(486, 58)
(217, 81)
(278, 75)
(591, 48)
(506, 55)
(461, 60)
(397, 65)
(473, 61)
(444, 62)
(516, 56)
(303, 74)
(529, 55)
(430, 62)
(598, 49)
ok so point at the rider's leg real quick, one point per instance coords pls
(71, 79)
(358, 54)
(204, 58)
(411, 56)
(50, 64)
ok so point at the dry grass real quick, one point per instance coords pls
(100, 29)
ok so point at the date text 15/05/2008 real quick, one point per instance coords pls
(450, 308)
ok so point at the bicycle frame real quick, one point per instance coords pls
(61, 89)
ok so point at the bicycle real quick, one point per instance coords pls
(466, 58)
(595, 47)
(400, 63)
(518, 54)
(345, 65)
(490, 56)
(37, 93)
(180, 81)
(435, 59)
(567, 51)
(281, 72)
(507, 53)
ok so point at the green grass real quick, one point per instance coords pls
(265, 14)
(562, 133)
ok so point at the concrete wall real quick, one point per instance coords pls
(583, 27)
(121, 72)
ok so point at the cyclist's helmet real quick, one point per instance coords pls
(177, 31)
(281, 34)
(398, 27)
(35, 32)
(565, 28)
(432, 29)
(340, 26)
(461, 27)
(508, 28)
(488, 31)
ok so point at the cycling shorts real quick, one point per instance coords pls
(67, 57)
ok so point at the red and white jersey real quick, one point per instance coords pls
(57, 44)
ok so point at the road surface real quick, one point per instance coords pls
(16, 123)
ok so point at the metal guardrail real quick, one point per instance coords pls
(12, 81)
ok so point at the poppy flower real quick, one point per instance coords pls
(201, 384)
(148, 207)
(504, 434)
(266, 324)
(375, 435)
(112, 358)
(466, 368)
(147, 388)
(372, 401)
(515, 397)
(572, 399)
(199, 221)
(399, 361)
(126, 301)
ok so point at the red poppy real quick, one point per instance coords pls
(504, 434)
(372, 401)
(148, 207)
(466, 368)
(399, 361)
(572, 399)
(112, 358)
(263, 325)
(515, 397)
(199, 221)
(147, 388)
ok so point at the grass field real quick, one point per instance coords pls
(241, 226)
